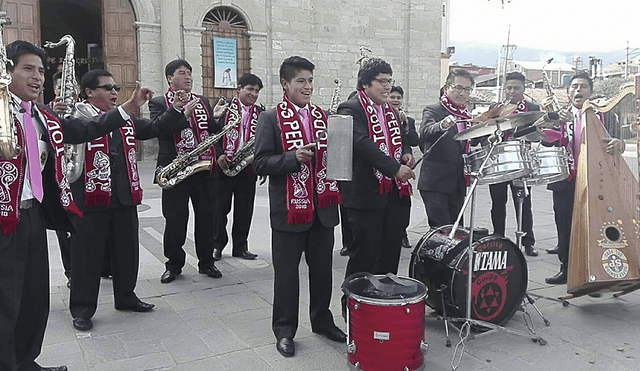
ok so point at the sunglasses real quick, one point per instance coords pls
(109, 87)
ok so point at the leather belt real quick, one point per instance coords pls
(27, 204)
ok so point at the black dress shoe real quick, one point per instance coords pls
(59, 368)
(286, 347)
(334, 333)
(246, 255)
(559, 279)
(343, 251)
(167, 276)
(553, 251)
(530, 250)
(405, 242)
(212, 272)
(138, 306)
(82, 324)
(217, 254)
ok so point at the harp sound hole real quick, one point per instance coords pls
(612, 233)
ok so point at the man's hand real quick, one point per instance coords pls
(565, 115)
(180, 99)
(220, 108)
(305, 153)
(408, 159)
(139, 97)
(223, 162)
(190, 107)
(614, 145)
(59, 107)
(405, 173)
(447, 122)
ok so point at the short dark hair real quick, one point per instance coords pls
(459, 72)
(292, 65)
(249, 79)
(18, 48)
(91, 80)
(397, 89)
(582, 75)
(371, 68)
(172, 66)
(514, 76)
(56, 76)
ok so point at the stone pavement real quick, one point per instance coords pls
(201, 323)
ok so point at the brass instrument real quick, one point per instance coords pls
(550, 103)
(241, 159)
(187, 164)
(8, 141)
(73, 153)
(335, 97)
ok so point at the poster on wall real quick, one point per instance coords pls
(225, 62)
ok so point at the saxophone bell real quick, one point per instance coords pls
(9, 147)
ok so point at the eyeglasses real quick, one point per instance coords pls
(460, 89)
(385, 82)
(109, 87)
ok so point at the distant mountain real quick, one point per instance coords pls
(486, 55)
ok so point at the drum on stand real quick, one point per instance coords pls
(508, 161)
(550, 165)
(385, 322)
(499, 274)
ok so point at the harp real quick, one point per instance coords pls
(604, 253)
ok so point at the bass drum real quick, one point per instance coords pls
(499, 279)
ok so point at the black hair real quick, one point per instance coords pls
(515, 76)
(249, 79)
(91, 80)
(291, 66)
(582, 75)
(18, 48)
(458, 72)
(172, 66)
(370, 69)
(397, 89)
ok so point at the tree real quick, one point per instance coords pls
(608, 88)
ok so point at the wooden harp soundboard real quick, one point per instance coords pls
(604, 253)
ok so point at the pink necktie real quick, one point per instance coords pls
(33, 154)
(304, 113)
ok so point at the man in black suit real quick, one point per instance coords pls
(36, 195)
(241, 187)
(379, 189)
(108, 193)
(408, 125)
(579, 90)
(442, 182)
(197, 187)
(514, 92)
(290, 146)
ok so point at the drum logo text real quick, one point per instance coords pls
(615, 263)
(490, 260)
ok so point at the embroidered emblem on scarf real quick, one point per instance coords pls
(313, 174)
(188, 138)
(388, 138)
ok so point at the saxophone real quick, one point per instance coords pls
(241, 159)
(187, 164)
(335, 97)
(73, 153)
(550, 103)
(8, 141)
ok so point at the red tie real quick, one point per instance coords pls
(33, 154)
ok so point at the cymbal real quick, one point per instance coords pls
(503, 123)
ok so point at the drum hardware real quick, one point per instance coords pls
(503, 124)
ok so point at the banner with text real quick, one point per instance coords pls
(225, 62)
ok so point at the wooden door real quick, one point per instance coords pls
(25, 18)
(120, 45)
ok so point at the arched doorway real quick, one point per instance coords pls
(226, 22)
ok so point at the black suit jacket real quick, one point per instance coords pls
(271, 160)
(443, 167)
(411, 135)
(169, 121)
(362, 191)
(166, 143)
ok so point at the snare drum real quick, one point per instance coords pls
(499, 279)
(508, 161)
(550, 165)
(385, 322)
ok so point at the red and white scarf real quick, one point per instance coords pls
(231, 141)
(460, 113)
(388, 138)
(97, 166)
(12, 175)
(313, 174)
(189, 138)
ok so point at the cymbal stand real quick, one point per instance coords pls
(467, 322)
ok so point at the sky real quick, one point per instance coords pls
(563, 25)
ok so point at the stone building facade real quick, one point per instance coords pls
(406, 33)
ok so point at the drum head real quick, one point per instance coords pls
(383, 290)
